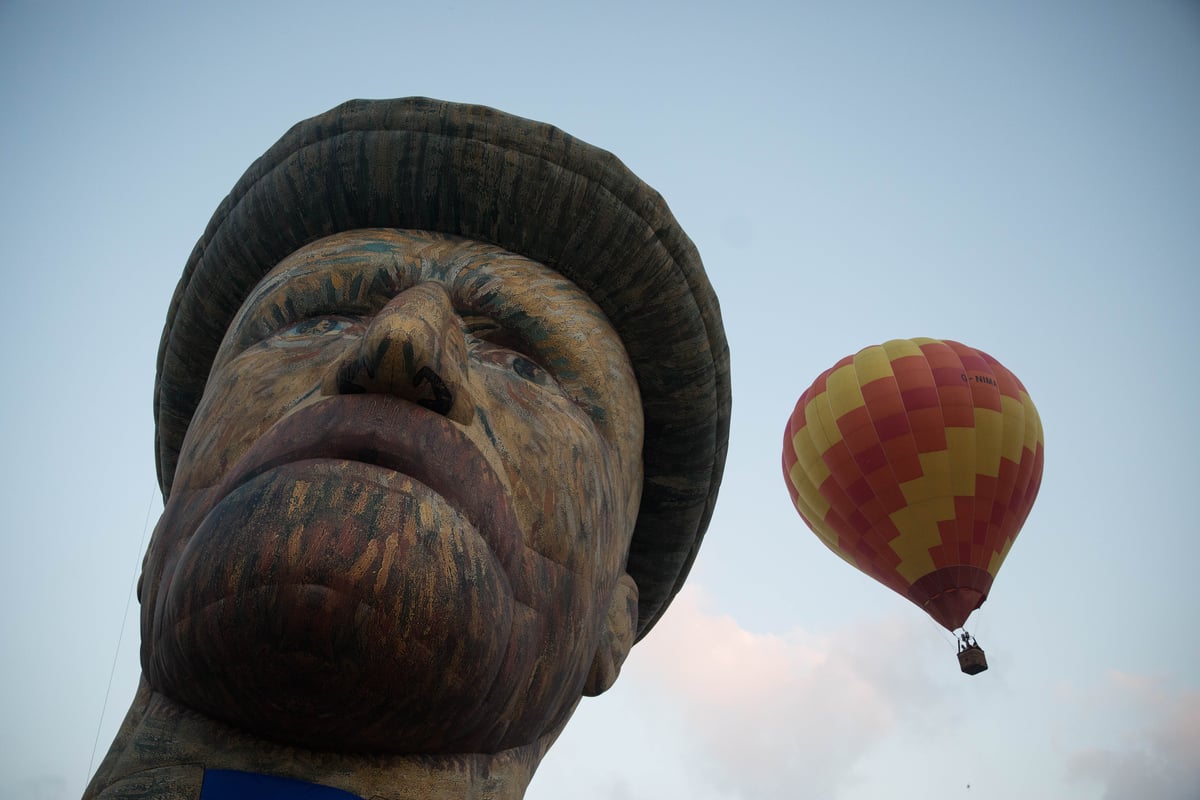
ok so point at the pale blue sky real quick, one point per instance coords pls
(1022, 176)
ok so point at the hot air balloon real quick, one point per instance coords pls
(917, 461)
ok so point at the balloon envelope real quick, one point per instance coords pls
(917, 461)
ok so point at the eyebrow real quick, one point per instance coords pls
(348, 286)
(289, 298)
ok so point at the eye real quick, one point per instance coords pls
(529, 370)
(313, 328)
(524, 367)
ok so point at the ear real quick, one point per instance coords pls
(616, 639)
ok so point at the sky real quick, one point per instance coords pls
(1023, 177)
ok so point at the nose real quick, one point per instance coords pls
(414, 348)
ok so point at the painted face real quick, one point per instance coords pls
(403, 503)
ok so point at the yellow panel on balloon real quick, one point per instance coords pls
(989, 438)
(961, 446)
(843, 392)
(1014, 429)
(871, 365)
(901, 348)
(918, 526)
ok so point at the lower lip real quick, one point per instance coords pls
(390, 434)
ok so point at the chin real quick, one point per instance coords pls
(339, 606)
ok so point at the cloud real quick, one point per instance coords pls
(1161, 759)
(778, 716)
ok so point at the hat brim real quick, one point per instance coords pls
(479, 173)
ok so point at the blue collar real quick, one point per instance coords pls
(229, 784)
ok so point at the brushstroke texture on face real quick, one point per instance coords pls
(403, 504)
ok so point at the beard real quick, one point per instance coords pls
(339, 605)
